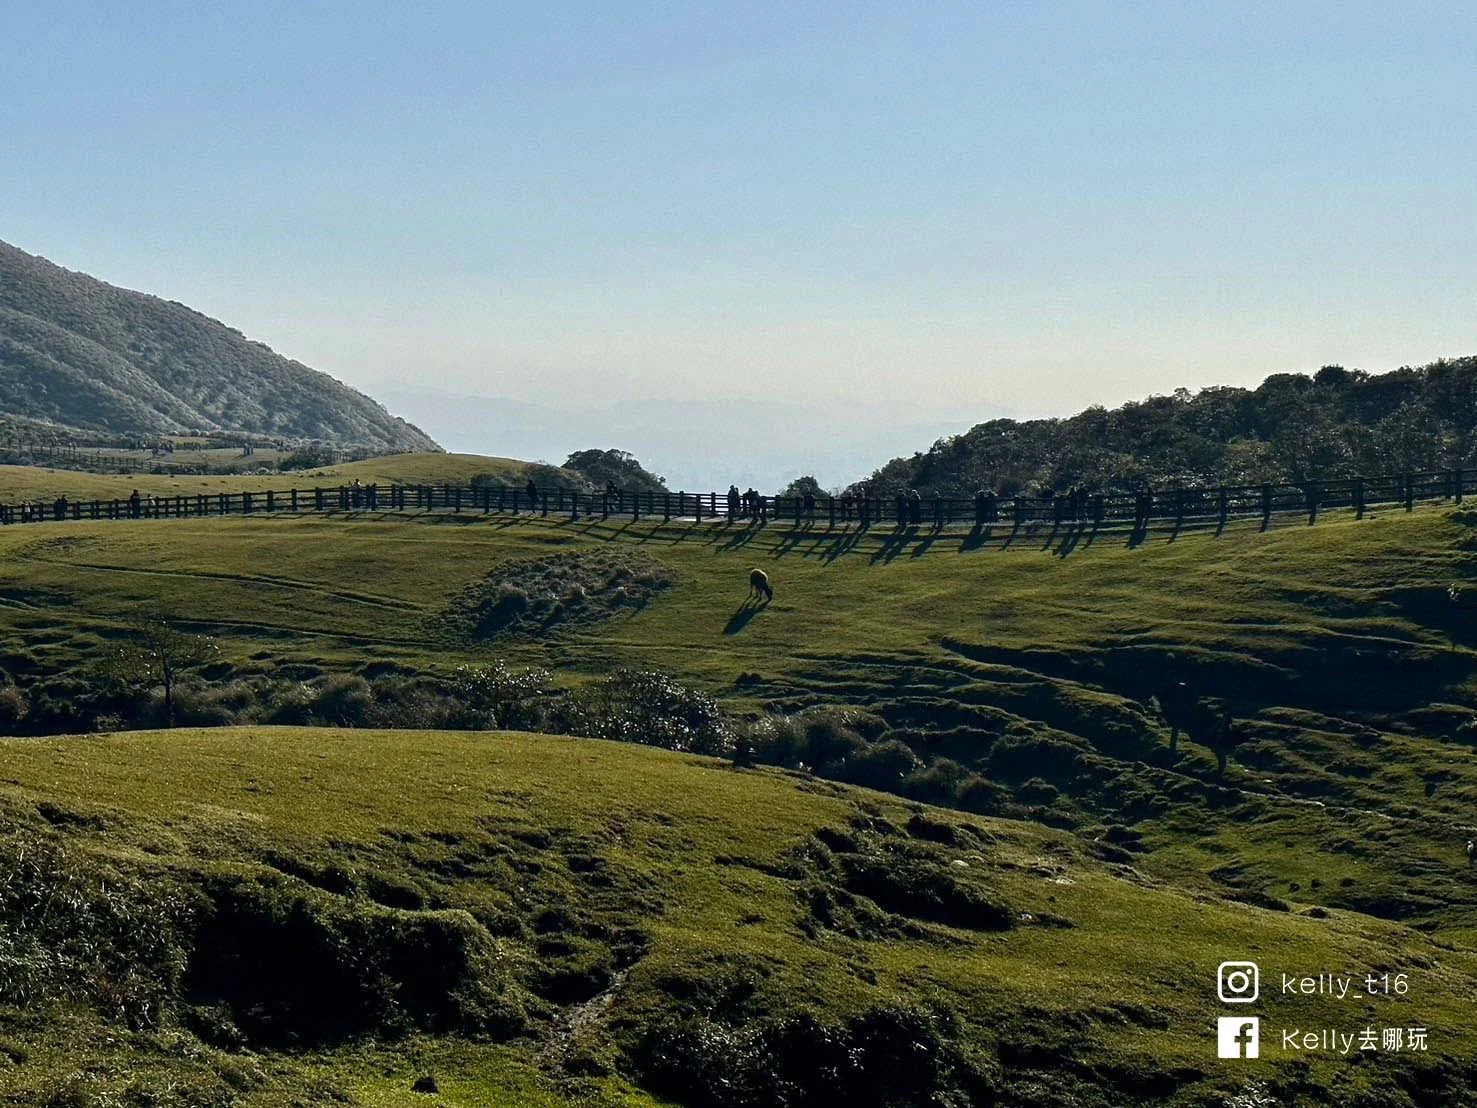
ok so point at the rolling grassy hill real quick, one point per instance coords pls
(623, 909)
(19, 483)
(1332, 842)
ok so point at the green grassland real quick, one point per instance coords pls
(1333, 842)
(680, 886)
(19, 483)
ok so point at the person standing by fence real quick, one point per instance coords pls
(984, 507)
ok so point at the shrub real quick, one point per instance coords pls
(289, 703)
(343, 700)
(883, 765)
(939, 783)
(879, 1058)
(1017, 757)
(495, 696)
(74, 929)
(982, 796)
(774, 740)
(535, 596)
(13, 709)
(292, 965)
(649, 708)
(306, 457)
(924, 888)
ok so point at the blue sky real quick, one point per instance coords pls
(942, 212)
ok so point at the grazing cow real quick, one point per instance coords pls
(1216, 730)
(759, 585)
(1205, 720)
(1177, 704)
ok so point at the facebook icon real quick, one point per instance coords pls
(1238, 1036)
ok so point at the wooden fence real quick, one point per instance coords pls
(1181, 506)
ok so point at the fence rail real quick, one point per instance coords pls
(1181, 505)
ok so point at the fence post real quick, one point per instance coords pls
(245, 502)
(697, 507)
(1266, 506)
(1314, 495)
(635, 506)
(830, 511)
(666, 507)
(1409, 482)
(1222, 507)
(1459, 477)
(97, 510)
(317, 500)
(270, 504)
(1359, 498)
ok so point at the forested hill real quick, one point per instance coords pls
(81, 353)
(1294, 427)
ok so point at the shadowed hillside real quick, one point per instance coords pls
(81, 353)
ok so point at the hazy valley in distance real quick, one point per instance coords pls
(697, 445)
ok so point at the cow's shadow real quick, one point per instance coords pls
(750, 608)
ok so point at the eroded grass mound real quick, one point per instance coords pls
(276, 963)
(534, 596)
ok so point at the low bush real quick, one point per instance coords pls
(296, 966)
(646, 707)
(496, 696)
(923, 888)
(73, 928)
(539, 595)
(880, 1058)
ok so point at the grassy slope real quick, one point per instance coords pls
(28, 482)
(422, 808)
(1337, 640)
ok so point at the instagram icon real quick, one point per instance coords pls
(1238, 982)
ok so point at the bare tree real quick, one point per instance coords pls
(156, 653)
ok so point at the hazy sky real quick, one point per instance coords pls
(935, 208)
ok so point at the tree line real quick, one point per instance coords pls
(1293, 428)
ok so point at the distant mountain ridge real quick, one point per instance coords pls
(84, 354)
